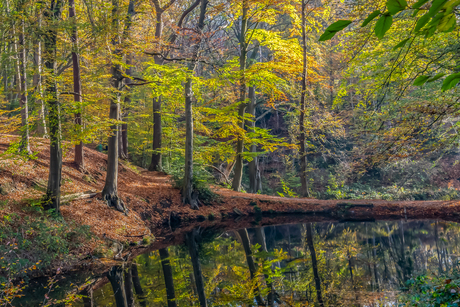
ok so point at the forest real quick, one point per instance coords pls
(267, 97)
(122, 120)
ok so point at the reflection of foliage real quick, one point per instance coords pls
(433, 291)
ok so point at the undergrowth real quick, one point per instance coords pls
(32, 240)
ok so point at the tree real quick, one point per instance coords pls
(110, 191)
(79, 159)
(188, 176)
(53, 191)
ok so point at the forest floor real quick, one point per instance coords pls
(155, 206)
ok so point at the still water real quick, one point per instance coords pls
(314, 264)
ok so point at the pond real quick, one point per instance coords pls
(330, 264)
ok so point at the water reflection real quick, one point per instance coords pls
(315, 264)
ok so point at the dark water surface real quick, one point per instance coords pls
(334, 264)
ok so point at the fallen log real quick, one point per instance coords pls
(76, 196)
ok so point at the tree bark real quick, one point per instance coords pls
(303, 153)
(188, 176)
(110, 191)
(24, 104)
(168, 275)
(78, 159)
(199, 282)
(156, 164)
(238, 176)
(314, 264)
(87, 297)
(53, 192)
(38, 84)
(115, 276)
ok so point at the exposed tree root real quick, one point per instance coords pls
(113, 201)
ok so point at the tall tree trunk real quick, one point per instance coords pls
(37, 83)
(314, 264)
(303, 153)
(243, 233)
(199, 282)
(110, 191)
(53, 191)
(156, 164)
(253, 166)
(25, 146)
(188, 176)
(78, 159)
(168, 275)
(123, 133)
(115, 277)
(238, 176)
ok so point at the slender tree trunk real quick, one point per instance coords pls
(24, 104)
(53, 192)
(78, 159)
(110, 191)
(38, 84)
(199, 282)
(187, 190)
(156, 164)
(238, 176)
(115, 277)
(303, 153)
(314, 264)
(253, 166)
(168, 275)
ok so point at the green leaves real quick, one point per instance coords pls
(450, 81)
(334, 28)
(419, 4)
(436, 5)
(421, 80)
(401, 44)
(422, 22)
(395, 6)
(447, 23)
(371, 17)
(383, 25)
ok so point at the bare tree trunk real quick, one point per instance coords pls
(110, 191)
(78, 159)
(238, 176)
(38, 84)
(260, 237)
(168, 275)
(187, 190)
(115, 276)
(88, 297)
(303, 153)
(53, 192)
(314, 264)
(253, 166)
(25, 146)
(199, 282)
(156, 164)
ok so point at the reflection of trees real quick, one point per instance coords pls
(115, 276)
(348, 264)
(168, 275)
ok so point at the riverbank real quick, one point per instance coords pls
(90, 228)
